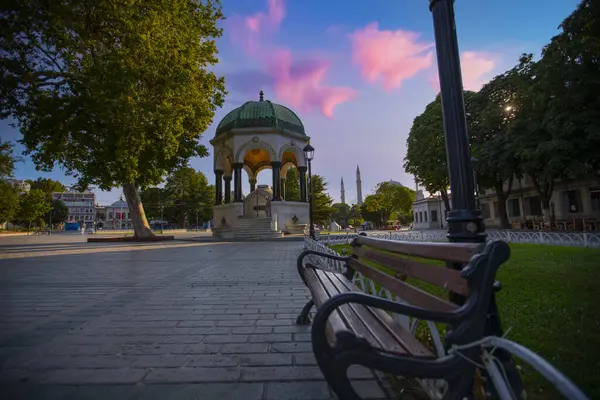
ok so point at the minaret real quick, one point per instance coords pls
(359, 198)
(343, 193)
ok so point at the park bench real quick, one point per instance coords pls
(352, 327)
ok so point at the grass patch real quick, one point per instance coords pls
(551, 301)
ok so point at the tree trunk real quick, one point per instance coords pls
(545, 189)
(502, 196)
(446, 200)
(141, 228)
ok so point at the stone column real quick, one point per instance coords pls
(252, 184)
(237, 182)
(282, 188)
(302, 173)
(227, 180)
(218, 187)
(276, 166)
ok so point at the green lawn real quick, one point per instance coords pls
(551, 301)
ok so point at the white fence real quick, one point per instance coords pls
(574, 239)
(157, 231)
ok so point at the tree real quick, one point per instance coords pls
(7, 160)
(373, 210)
(341, 213)
(322, 202)
(426, 148)
(33, 206)
(9, 202)
(154, 200)
(395, 197)
(355, 215)
(188, 193)
(543, 154)
(117, 93)
(59, 212)
(47, 185)
(292, 185)
(492, 110)
(568, 83)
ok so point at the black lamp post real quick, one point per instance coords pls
(465, 223)
(475, 165)
(309, 154)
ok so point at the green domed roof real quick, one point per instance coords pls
(261, 114)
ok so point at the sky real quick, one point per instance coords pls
(356, 75)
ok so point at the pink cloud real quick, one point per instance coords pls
(247, 31)
(392, 56)
(476, 68)
(300, 84)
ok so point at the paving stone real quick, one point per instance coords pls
(266, 359)
(195, 348)
(298, 391)
(305, 359)
(302, 337)
(271, 338)
(94, 376)
(225, 339)
(178, 321)
(213, 360)
(164, 361)
(295, 347)
(191, 375)
(101, 392)
(370, 390)
(252, 329)
(244, 348)
(292, 329)
(280, 373)
(207, 391)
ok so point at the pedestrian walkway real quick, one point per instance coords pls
(175, 320)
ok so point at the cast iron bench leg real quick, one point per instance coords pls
(304, 317)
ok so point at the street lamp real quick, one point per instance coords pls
(465, 223)
(309, 154)
(475, 164)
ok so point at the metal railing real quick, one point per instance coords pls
(573, 239)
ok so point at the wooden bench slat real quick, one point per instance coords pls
(403, 336)
(410, 294)
(454, 252)
(442, 277)
(361, 322)
(320, 296)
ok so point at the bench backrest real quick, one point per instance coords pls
(403, 260)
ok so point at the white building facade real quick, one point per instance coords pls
(81, 205)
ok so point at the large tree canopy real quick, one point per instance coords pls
(7, 159)
(117, 92)
(322, 201)
(426, 148)
(47, 185)
(189, 196)
(388, 198)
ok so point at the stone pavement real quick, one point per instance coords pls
(174, 320)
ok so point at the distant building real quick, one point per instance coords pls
(429, 212)
(117, 216)
(100, 216)
(575, 205)
(81, 205)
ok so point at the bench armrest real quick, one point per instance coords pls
(305, 253)
(331, 304)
